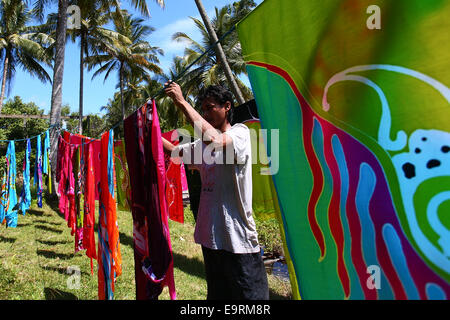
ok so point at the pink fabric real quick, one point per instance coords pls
(184, 184)
(61, 175)
(66, 187)
(96, 146)
(70, 191)
(158, 156)
(174, 187)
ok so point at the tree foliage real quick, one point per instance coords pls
(13, 129)
(208, 71)
(21, 45)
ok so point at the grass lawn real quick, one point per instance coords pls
(35, 257)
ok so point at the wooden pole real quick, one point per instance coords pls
(220, 54)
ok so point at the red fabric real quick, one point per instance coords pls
(96, 147)
(60, 174)
(174, 187)
(174, 192)
(158, 156)
(151, 237)
(71, 221)
(66, 187)
(67, 146)
(89, 205)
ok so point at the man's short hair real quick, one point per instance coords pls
(219, 94)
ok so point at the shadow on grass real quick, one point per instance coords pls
(48, 222)
(52, 255)
(23, 224)
(192, 266)
(33, 212)
(126, 240)
(9, 240)
(48, 229)
(53, 202)
(56, 294)
(52, 243)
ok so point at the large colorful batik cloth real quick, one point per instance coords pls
(152, 247)
(109, 257)
(360, 101)
(25, 194)
(8, 212)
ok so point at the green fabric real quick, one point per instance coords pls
(262, 197)
(122, 177)
(363, 118)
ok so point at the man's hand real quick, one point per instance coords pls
(173, 90)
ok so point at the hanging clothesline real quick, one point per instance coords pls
(33, 137)
(181, 74)
(77, 144)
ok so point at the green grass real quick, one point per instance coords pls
(35, 257)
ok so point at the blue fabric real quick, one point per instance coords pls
(3, 197)
(25, 195)
(38, 171)
(111, 162)
(11, 210)
(46, 152)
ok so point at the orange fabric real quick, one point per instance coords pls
(109, 257)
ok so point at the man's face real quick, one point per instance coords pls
(214, 112)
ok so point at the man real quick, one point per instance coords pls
(225, 227)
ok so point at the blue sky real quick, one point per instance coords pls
(174, 17)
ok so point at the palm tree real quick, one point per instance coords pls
(94, 15)
(130, 59)
(208, 71)
(171, 115)
(220, 54)
(58, 67)
(21, 45)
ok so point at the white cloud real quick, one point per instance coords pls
(162, 37)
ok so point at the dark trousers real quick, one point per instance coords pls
(231, 276)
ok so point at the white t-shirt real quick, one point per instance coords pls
(224, 219)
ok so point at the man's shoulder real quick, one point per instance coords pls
(239, 126)
(239, 129)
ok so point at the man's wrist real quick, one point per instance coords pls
(182, 104)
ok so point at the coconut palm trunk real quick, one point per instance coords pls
(121, 90)
(58, 73)
(82, 47)
(220, 54)
(5, 71)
